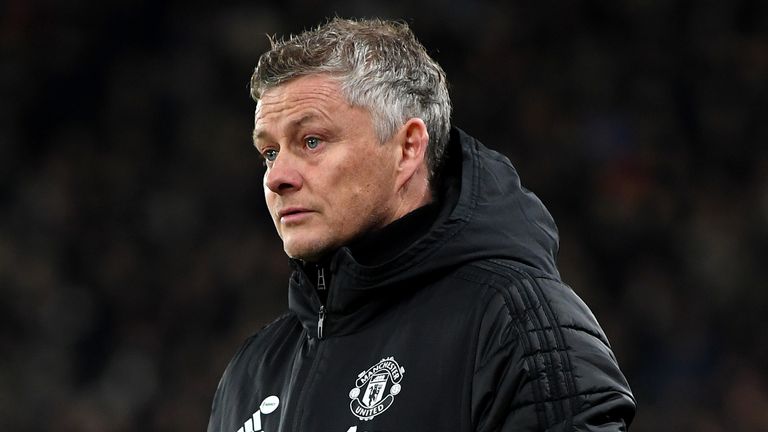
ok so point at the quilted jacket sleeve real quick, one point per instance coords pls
(544, 364)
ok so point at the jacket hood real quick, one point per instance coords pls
(504, 220)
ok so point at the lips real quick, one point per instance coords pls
(291, 211)
(293, 214)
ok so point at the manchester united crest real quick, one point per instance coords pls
(376, 388)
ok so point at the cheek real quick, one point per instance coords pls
(359, 191)
(365, 204)
(271, 200)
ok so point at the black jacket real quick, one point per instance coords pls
(468, 328)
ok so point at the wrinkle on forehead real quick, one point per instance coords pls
(295, 100)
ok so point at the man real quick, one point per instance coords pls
(424, 293)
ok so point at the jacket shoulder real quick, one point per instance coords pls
(544, 298)
(542, 359)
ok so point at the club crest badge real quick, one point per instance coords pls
(376, 388)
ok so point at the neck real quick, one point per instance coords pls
(414, 193)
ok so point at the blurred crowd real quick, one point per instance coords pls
(136, 252)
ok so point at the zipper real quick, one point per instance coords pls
(306, 375)
(321, 288)
(320, 320)
(321, 279)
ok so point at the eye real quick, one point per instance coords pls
(312, 142)
(270, 155)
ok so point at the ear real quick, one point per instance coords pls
(413, 140)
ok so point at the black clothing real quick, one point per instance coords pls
(464, 328)
(384, 244)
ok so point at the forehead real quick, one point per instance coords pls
(314, 94)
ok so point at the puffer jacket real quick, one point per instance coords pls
(468, 328)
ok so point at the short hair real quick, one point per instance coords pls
(380, 65)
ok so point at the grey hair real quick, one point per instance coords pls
(380, 66)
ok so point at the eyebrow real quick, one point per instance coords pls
(292, 125)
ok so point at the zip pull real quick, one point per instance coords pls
(321, 279)
(320, 320)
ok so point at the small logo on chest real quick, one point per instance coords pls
(376, 388)
(267, 406)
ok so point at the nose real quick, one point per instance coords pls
(283, 176)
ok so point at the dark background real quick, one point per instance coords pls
(136, 252)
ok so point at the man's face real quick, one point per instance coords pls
(328, 177)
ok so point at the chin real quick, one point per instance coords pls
(306, 251)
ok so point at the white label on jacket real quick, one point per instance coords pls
(376, 388)
(267, 406)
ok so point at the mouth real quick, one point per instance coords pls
(293, 214)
